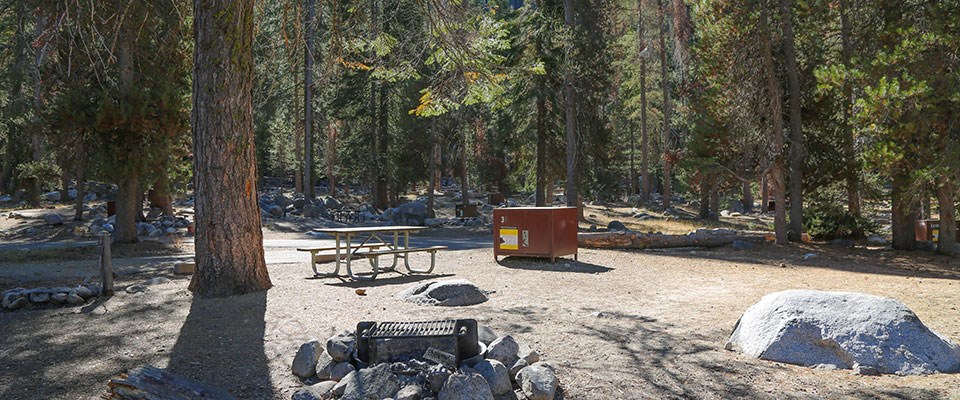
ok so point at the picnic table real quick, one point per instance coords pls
(372, 247)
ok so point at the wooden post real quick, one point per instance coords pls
(106, 269)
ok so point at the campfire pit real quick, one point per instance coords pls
(448, 342)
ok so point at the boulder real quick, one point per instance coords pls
(319, 391)
(73, 299)
(374, 383)
(59, 298)
(486, 334)
(410, 392)
(876, 240)
(52, 196)
(341, 370)
(842, 329)
(331, 203)
(324, 367)
(53, 219)
(448, 293)
(14, 301)
(39, 296)
(842, 243)
(616, 226)
(340, 347)
(83, 291)
(276, 211)
(299, 203)
(538, 382)
(413, 213)
(504, 349)
(305, 362)
(496, 374)
(437, 376)
(281, 200)
(314, 211)
(465, 384)
(516, 368)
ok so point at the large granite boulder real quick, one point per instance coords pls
(842, 330)
(449, 293)
(412, 213)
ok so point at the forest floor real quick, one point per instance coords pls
(618, 324)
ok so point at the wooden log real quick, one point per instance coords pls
(151, 383)
(636, 240)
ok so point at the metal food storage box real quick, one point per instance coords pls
(535, 232)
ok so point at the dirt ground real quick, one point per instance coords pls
(619, 325)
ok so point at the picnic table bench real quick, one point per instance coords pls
(345, 250)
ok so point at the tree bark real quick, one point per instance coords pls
(541, 199)
(704, 209)
(128, 194)
(764, 193)
(776, 116)
(666, 155)
(431, 193)
(853, 168)
(947, 243)
(464, 175)
(308, 101)
(714, 213)
(229, 239)
(81, 193)
(644, 136)
(904, 213)
(569, 106)
(160, 195)
(796, 132)
(634, 240)
(331, 151)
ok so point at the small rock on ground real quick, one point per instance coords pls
(319, 391)
(305, 362)
(466, 384)
(537, 382)
(504, 349)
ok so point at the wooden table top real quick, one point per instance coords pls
(370, 229)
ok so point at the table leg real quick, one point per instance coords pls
(406, 256)
(350, 270)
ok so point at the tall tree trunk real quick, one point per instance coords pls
(569, 106)
(796, 132)
(714, 199)
(704, 209)
(776, 116)
(229, 241)
(667, 155)
(308, 101)
(431, 193)
(81, 193)
(36, 137)
(764, 193)
(541, 199)
(128, 194)
(948, 217)
(853, 167)
(904, 213)
(644, 137)
(161, 196)
(331, 150)
(464, 175)
(383, 139)
(747, 199)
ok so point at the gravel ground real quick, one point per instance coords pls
(619, 325)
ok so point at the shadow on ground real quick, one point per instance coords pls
(225, 350)
(544, 264)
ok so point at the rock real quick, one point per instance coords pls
(276, 211)
(617, 226)
(409, 392)
(496, 375)
(515, 369)
(39, 296)
(808, 256)
(156, 281)
(281, 200)
(83, 291)
(313, 211)
(340, 347)
(537, 382)
(324, 367)
(331, 203)
(504, 349)
(319, 391)
(135, 289)
(436, 377)
(305, 362)
(156, 233)
(171, 230)
(412, 213)
(95, 288)
(842, 243)
(876, 240)
(15, 302)
(529, 355)
(865, 370)
(53, 219)
(374, 383)
(59, 298)
(145, 229)
(341, 370)
(742, 245)
(736, 214)
(844, 329)
(465, 384)
(448, 293)
(340, 386)
(299, 203)
(108, 227)
(74, 299)
(725, 213)
(52, 196)
(486, 334)
(433, 222)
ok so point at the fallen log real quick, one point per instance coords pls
(150, 383)
(637, 240)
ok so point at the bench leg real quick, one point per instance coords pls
(313, 265)
(374, 262)
(433, 259)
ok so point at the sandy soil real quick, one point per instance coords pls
(662, 323)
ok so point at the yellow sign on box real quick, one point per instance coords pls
(508, 238)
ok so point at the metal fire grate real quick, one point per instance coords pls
(397, 341)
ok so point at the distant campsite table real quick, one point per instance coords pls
(347, 248)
